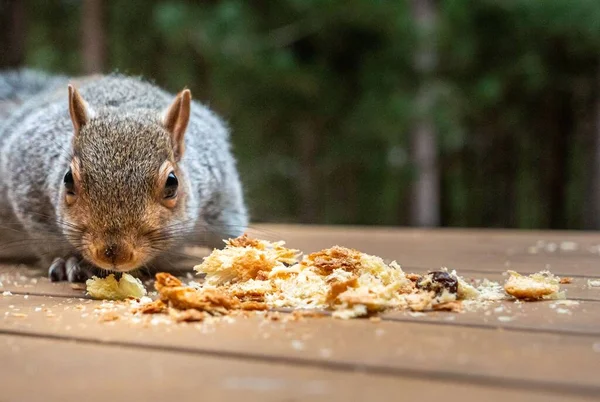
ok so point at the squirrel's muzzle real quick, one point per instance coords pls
(114, 256)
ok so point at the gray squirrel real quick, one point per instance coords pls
(110, 173)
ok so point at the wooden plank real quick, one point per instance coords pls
(438, 351)
(472, 250)
(71, 371)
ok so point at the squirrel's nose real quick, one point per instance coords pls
(110, 252)
(113, 254)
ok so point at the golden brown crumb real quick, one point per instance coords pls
(566, 280)
(155, 307)
(413, 277)
(262, 276)
(253, 306)
(325, 261)
(339, 287)
(532, 287)
(210, 300)
(164, 279)
(109, 316)
(248, 267)
(455, 306)
(248, 296)
(375, 319)
(78, 286)
(245, 241)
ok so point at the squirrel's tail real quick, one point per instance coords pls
(16, 86)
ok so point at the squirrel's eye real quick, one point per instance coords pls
(171, 186)
(69, 183)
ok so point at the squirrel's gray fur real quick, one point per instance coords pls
(123, 147)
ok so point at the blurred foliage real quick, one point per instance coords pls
(320, 98)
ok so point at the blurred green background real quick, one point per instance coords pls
(472, 113)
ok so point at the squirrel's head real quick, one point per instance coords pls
(124, 187)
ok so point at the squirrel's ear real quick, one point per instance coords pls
(176, 118)
(78, 109)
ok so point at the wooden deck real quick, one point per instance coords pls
(53, 349)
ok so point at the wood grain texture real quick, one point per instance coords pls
(73, 371)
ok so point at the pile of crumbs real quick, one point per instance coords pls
(250, 275)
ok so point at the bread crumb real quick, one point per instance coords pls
(110, 289)
(153, 307)
(533, 287)
(565, 280)
(455, 306)
(593, 283)
(257, 275)
(109, 316)
(6, 293)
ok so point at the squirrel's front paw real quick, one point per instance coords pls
(70, 270)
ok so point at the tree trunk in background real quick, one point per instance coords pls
(425, 203)
(93, 36)
(12, 33)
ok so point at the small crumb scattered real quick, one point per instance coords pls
(565, 280)
(6, 293)
(109, 316)
(565, 303)
(298, 345)
(505, 318)
(593, 283)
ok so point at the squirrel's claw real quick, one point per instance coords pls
(69, 270)
(57, 271)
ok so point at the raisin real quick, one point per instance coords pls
(446, 280)
(440, 280)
